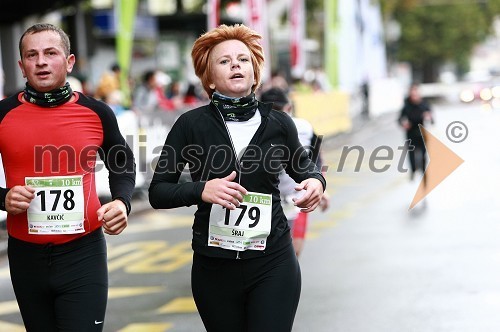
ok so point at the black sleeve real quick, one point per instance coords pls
(164, 191)
(316, 142)
(118, 159)
(3, 194)
(403, 114)
(299, 166)
(7, 105)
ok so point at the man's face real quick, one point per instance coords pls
(43, 61)
(415, 95)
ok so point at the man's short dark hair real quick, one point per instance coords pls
(39, 27)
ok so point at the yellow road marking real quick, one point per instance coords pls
(4, 326)
(119, 292)
(147, 327)
(149, 257)
(8, 307)
(317, 225)
(5, 272)
(164, 262)
(341, 214)
(179, 305)
(310, 235)
(134, 247)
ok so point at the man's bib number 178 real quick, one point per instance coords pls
(246, 227)
(58, 205)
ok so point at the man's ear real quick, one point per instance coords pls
(20, 63)
(70, 63)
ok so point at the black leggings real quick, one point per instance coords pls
(61, 287)
(248, 295)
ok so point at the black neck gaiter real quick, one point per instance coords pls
(235, 109)
(51, 98)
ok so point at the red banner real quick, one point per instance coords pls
(213, 14)
(297, 51)
(256, 19)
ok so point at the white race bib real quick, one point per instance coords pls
(246, 227)
(58, 205)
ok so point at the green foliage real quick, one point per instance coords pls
(390, 6)
(438, 31)
(440, 34)
(314, 19)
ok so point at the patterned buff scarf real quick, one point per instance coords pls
(52, 98)
(235, 109)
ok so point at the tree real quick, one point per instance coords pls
(440, 31)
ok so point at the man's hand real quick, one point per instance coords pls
(18, 199)
(113, 216)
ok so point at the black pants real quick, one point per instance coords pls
(61, 287)
(250, 295)
(417, 155)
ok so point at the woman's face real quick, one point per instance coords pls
(232, 71)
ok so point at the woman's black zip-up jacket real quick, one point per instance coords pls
(199, 138)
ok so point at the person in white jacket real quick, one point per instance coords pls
(308, 138)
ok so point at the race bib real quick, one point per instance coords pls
(245, 228)
(58, 205)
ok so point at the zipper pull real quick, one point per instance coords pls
(238, 255)
(239, 171)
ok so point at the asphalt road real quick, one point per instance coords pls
(369, 263)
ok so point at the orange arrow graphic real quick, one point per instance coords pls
(442, 163)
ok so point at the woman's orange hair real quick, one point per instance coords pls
(202, 47)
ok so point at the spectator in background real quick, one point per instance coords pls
(83, 83)
(75, 83)
(174, 94)
(365, 95)
(149, 97)
(191, 98)
(115, 102)
(109, 82)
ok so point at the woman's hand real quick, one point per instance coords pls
(224, 192)
(312, 197)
